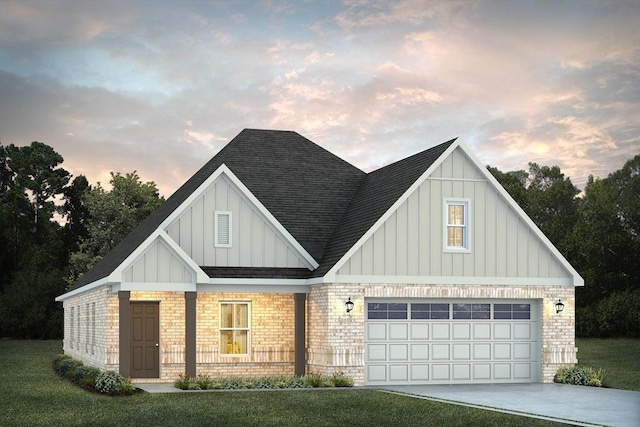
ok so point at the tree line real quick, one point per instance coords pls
(54, 228)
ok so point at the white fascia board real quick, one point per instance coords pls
(332, 272)
(83, 289)
(246, 286)
(451, 280)
(577, 280)
(312, 264)
(199, 276)
(157, 286)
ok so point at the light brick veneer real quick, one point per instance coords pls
(336, 340)
(272, 333)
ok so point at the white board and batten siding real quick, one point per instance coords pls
(254, 242)
(158, 264)
(411, 240)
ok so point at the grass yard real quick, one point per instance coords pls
(31, 394)
(618, 356)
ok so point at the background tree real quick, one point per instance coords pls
(547, 197)
(112, 214)
(31, 256)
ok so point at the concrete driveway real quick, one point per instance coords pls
(579, 405)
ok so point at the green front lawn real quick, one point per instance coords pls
(619, 357)
(32, 395)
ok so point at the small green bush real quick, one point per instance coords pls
(109, 382)
(86, 376)
(315, 379)
(338, 379)
(580, 375)
(57, 361)
(68, 367)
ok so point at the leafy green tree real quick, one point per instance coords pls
(112, 215)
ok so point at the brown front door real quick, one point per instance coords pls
(145, 339)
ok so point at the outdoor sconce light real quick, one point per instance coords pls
(559, 307)
(349, 305)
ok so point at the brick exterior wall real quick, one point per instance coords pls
(336, 339)
(95, 328)
(272, 333)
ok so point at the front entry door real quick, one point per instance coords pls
(145, 339)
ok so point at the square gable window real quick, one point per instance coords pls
(456, 227)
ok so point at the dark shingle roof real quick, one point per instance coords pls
(378, 192)
(303, 185)
(325, 203)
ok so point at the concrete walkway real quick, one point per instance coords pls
(579, 405)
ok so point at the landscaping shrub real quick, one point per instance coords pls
(580, 375)
(86, 377)
(204, 382)
(57, 361)
(338, 379)
(109, 382)
(91, 378)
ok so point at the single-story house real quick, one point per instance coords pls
(279, 258)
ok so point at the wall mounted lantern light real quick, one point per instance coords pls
(559, 307)
(349, 305)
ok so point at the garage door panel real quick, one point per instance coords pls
(419, 331)
(419, 351)
(522, 331)
(461, 351)
(481, 331)
(522, 351)
(502, 351)
(502, 331)
(481, 351)
(522, 371)
(398, 331)
(399, 352)
(440, 372)
(432, 346)
(482, 371)
(461, 372)
(377, 373)
(440, 331)
(376, 352)
(440, 351)
(502, 371)
(399, 373)
(376, 331)
(461, 331)
(419, 372)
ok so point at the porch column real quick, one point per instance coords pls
(124, 333)
(190, 333)
(300, 334)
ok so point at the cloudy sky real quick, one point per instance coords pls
(160, 86)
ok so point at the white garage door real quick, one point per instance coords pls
(446, 342)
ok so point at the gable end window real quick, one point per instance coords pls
(456, 232)
(222, 230)
(235, 330)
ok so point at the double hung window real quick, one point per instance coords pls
(235, 331)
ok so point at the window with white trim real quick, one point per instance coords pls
(235, 330)
(222, 231)
(456, 235)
